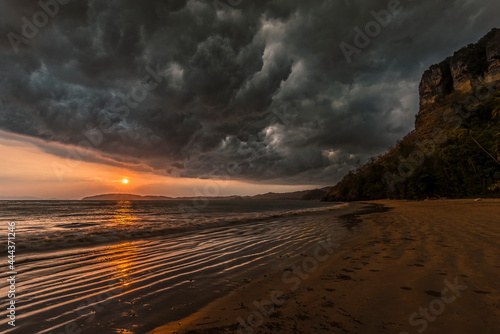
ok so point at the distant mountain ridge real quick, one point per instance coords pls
(19, 198)
(125, 197)
(305, 195)
(315, 194)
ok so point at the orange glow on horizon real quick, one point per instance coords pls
(75, 179)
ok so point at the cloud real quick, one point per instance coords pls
(262, 88)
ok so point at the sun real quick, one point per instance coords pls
(125, 181)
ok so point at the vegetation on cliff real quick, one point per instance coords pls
(454, 151)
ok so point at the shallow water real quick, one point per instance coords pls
(44, 225)
(148, 271)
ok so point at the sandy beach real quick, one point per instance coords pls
(430, 266)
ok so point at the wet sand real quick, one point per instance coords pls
(140, 283)
(431, 266)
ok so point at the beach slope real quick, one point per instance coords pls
(429, 266)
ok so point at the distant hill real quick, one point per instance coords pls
(297, 195)
(132, 197)
(304, 195)
(126, 197)
(454, 150)
(22, 198)
(315, 194)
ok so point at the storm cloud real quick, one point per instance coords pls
(195, 88)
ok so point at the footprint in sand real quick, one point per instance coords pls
(344, 277)
(328, 304)
(433, 293)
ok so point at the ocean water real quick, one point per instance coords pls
(44, 225)
(130, 266)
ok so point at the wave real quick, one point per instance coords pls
(92, 233)
(92, 287)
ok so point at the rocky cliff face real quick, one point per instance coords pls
(436, 82)
(436, 160)
(465, 70)
(493, 58)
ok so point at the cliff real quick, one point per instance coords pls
(454, 150)
(468, 68)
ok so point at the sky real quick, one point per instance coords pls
(204, 97)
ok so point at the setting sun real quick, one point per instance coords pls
(124, 181)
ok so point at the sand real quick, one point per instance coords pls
(430, 266)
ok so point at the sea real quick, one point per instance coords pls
(131, 266)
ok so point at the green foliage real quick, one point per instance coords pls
(457, 168)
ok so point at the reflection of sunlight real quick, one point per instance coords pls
(123, 215)
(121, 258)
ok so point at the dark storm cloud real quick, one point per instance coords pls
(262, 88)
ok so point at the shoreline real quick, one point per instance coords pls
(412, 266)
(109, 237)
(201, 320)
(134, 287)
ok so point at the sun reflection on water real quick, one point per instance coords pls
(121, 258)
(123, 215)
